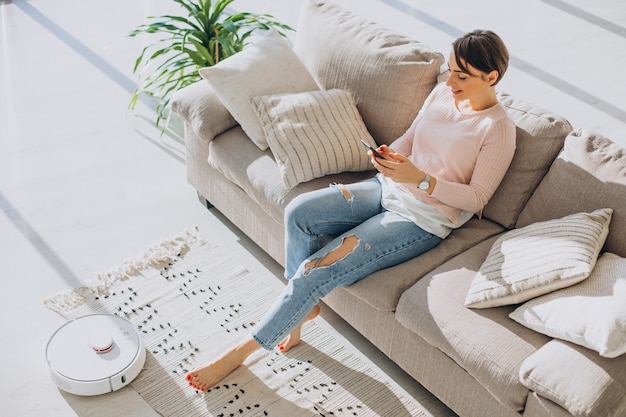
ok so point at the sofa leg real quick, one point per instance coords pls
(206, 203)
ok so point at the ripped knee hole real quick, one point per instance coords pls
(348, 245)
(344, 190)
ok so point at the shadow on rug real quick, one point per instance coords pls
(190, 301)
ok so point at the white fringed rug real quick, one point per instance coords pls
(190, 302)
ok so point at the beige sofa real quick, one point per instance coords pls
(480, 362)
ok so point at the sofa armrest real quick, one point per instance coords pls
(202, 111)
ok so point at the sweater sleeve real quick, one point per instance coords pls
(492, 162)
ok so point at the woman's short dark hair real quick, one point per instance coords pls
(483, 50)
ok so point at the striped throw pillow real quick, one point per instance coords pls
(314, 134)
(539, 258)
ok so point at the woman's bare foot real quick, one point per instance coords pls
(293, 338)
(206, 376)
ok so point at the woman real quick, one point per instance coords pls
(432, 179)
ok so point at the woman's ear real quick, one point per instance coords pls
(492, 77)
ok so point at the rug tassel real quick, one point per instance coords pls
(157, 255)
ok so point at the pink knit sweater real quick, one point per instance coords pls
(467, 153)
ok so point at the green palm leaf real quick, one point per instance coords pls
(202, 36)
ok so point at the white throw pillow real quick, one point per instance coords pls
(314, 134)
(591, 314)
(268, 66)
(539, 258)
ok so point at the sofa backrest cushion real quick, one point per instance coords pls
(540, 137)
(389, 75)
(590, 173)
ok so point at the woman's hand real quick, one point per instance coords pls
(397, 167)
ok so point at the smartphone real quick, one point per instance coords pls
(370, 147)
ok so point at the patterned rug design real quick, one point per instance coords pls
(191, 301)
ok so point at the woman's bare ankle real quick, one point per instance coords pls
(313, 313)
(293, 339)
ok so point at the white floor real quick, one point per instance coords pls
(85, 183)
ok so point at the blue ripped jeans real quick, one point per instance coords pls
(383, 239)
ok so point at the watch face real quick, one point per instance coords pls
(425, 184)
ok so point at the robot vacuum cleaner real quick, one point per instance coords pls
(95, 354)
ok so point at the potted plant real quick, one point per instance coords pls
(207, 35)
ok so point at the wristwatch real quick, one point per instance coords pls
(425, 184)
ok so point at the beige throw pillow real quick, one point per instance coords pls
(591, 314)
(539, 258)
(268, 66)
(314, 134)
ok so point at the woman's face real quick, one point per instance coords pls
(468, 86)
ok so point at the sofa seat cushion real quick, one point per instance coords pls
(256, 172)
(383, 289)
(577, 379)
(388, 74)
(486, 343)
(590, 173)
